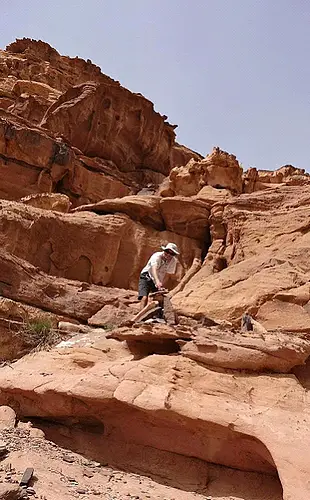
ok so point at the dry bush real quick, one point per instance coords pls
(39, 334)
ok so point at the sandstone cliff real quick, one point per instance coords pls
(92, 183)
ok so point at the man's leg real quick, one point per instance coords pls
(144, 301)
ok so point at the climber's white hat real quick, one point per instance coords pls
(172, 247)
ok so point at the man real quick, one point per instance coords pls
(153, 274)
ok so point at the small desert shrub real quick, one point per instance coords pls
(39, 327)
(108, 327)
(39, 334)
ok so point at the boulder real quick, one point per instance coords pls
(7, 418)
(211, 195)
(275, 352)
(219, 169)
(150, 332)
(144, 209)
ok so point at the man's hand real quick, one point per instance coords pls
(159, 285)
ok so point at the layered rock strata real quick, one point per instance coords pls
(92, 183)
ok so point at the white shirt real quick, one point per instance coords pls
(163, 267)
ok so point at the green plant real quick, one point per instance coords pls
(39, 334)
(40, 327)
(108, 327)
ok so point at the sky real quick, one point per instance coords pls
(229, 73)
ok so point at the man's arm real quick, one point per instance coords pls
(156, 279)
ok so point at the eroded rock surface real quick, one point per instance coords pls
(108, 249)
(261, 241)
(92, 183)
(111, 122)
(176, 405)
(219, 169)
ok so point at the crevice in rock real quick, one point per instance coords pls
(206, 244)
(302, 373)
(20, 162)
(142, 348)
(177, 452)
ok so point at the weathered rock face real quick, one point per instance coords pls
(100, 185)
(219, 169)
(117, 130)
(258, 180)
(37, 61)
(169, 403)
(263, 241)
(32, 161)
(110, 122)
(102, 249)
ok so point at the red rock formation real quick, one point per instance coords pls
(207, 401)
(219, 169)
(108, 250)
(110, 122)
(257, 180)
(32, 161)
(92, 112)
(262, 239)
(34, 60)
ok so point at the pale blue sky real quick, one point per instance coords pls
(230, 73)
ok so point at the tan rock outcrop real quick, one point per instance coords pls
(48, 201)
(31, 161)
(219, 169)
(258, 180)
(21, 280)
(111, 122)
(169, 403)
(262, 239)
(276, 352)
(106, 250)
